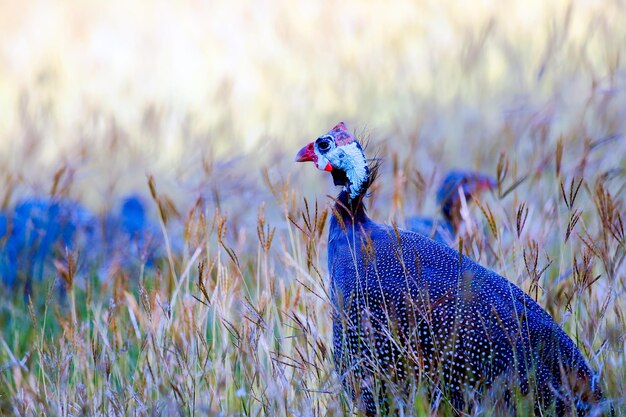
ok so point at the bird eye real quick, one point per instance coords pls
(323, 144)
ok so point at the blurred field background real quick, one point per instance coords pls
(211, 100)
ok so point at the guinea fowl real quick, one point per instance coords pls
(38, 231)
(410, 310)
(449, 200)
(131, 237)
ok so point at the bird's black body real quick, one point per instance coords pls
(407, 309)
(410, 306)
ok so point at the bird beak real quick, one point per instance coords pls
(308, 154)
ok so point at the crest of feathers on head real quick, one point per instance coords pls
(373, 163)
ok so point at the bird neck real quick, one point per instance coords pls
(350, 210)
(451, 211)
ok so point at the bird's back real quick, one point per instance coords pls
(408, 305)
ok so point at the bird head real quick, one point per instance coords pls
(339, 153)
(470, 183)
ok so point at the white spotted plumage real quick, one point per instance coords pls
(407, 306)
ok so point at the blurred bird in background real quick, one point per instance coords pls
(456, 185)
(40, 231)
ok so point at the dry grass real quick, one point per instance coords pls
(209, 102)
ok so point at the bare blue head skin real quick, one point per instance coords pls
(339, 153)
